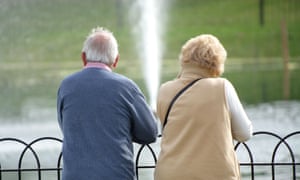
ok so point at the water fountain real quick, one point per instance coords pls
(148, 33)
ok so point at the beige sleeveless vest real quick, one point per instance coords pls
(197, 141)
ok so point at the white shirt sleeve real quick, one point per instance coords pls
(240, 124)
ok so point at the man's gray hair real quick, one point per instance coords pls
(101, 46)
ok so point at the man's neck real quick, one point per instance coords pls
(97, 65)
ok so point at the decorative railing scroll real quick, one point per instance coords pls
(14, 163)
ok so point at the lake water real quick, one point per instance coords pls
(282, 118)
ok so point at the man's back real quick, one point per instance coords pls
(100, 114)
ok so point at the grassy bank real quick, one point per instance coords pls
(40, 43)
(35, 30)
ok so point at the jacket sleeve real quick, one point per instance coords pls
(144, 127)
(241, 126)
(59, 109)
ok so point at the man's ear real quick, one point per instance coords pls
(114, 65)
(83, 58)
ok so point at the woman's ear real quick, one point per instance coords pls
(83, 58)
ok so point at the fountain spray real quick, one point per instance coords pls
(148, 32)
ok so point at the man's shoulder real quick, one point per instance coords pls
(124, 80)
(71, 77)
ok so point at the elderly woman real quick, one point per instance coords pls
(197, 140)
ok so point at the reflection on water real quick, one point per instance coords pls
(39, 119)
(281, 117)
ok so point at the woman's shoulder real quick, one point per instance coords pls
(224, 81)
(217, 81)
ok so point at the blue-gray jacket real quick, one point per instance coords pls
(101, 113)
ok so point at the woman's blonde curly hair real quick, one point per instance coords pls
(206, 51)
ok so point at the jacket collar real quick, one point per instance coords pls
(97, 65)
(192, 71)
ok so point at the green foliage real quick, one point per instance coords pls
(41, 41)
(36, 30)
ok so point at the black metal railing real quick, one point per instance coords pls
(293, 156)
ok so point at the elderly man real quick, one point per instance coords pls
(100, 114)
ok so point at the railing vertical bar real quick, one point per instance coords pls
(58, 166)
(293, 155)
(36, 158)
(250, 156)
(152, 153)
(0, 172)
(282, 140)
(137, 160)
